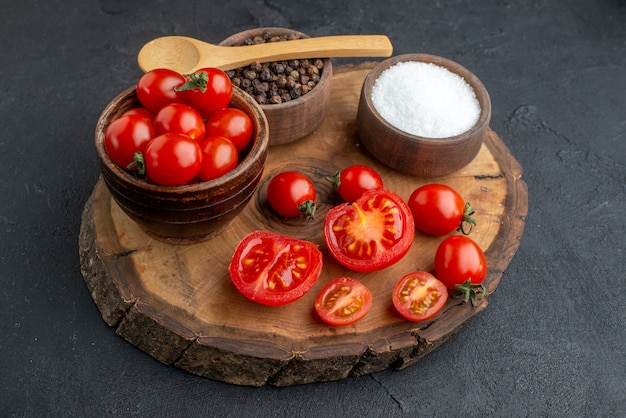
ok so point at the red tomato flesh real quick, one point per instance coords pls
(372, 233)
(273, 269)
(343, 301)
(419, 296)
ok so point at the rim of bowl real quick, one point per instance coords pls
(258, 148)
(482, 95)
(325, 78)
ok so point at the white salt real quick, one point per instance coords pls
(425, 99)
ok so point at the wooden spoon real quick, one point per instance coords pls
(185, 55)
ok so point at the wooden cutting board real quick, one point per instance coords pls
(177, 303)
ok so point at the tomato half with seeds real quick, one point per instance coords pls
(419, 296)
(370, 234)
(343, 301)
(274, 269)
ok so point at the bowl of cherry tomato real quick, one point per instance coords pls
(294, 94)
(181, 165)
(423, 115)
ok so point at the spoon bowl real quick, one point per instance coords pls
(185, 55)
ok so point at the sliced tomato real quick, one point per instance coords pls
(419, 296)
(274, 269)
(343, 301)
(370, 234)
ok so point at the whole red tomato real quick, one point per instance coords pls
(343, 301)
(125, 136)
(233, 124)
(419, 296)
(207, 90)
(179, 118)
(219, 156)
(461, 265)
(439, 210)
(370, 234)
(274, 269)
(355, 180)
(141, 111)
(292, 194)
(172, 159)
(157, 88)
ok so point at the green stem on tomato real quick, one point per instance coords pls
(138, 164)
(196, 81)
(467, 219)
(335, 180)
(470, 292)
(308, 209)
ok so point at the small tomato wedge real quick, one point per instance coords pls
(370, 234)
(274, 269)
(419, 296)
(343, 301)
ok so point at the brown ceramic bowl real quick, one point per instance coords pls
(188, 213)
(295, 119)
(417, 155)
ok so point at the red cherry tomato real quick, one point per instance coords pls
(125, 136)
(292, 194)
(370, 234)
(274, 269)
(461, 265)
(219, 156)
(419, 296)
(355, 180)
(172, 159)
(156, 88)
(233, 124)
(141, 111)
(440, 210)
(179, 118)
(343, 301)
(207, 90)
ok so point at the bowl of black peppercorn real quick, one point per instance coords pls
(293, 94)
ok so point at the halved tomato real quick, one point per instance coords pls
(343, 301)
(274, 269)
(419, 296)
(370, 234)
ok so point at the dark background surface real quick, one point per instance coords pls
(550, 343)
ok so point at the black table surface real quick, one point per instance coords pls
(552, 340)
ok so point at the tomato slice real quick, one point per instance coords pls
(343, 301)
(274, 269)
(370, 234)
(419, 296)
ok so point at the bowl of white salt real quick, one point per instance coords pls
(423, 114)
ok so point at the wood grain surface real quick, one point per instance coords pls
(177, 303)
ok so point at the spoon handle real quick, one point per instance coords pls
(321, 47)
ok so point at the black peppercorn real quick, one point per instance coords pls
(279, 81)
